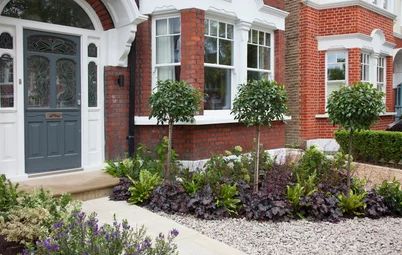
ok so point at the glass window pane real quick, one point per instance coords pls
(174, 26)
(222, 30)
(336, 72)
(254, 36)
(38, 81)
(331, 58)
(217, 88)
(6, 82)
(168, 49)
(265, 58)
(261, 38)
(253, 75)
(168, 73)
(213, 28)
(268, 39)
(206, 25)
(225, 52)
(66, 88)
(6, 41)
(230, 31)
(341, 58)
(51, 44)
(92, 50)
(92, 85)
(252, 56)
(62, 12)
(333, 87)
(210, 55)
(161, 27)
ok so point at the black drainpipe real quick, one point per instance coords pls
(131, 112)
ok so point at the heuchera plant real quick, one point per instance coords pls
(260, 103)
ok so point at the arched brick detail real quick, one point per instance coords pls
(102, 13)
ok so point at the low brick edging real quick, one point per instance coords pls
(375, 174)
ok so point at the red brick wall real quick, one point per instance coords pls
(280, 4)
(200, 142)
(390, 93)
(279, 56)
(116, 112)
(102, 13)
(192, 47)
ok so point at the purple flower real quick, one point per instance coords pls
(58, 225)
(174, 233)
(49, 245)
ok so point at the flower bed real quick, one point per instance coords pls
(38, 223)
(313, 188)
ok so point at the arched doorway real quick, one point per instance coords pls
(398, 83)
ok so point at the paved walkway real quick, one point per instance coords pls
(189, 241)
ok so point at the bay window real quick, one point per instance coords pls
(168, 48)
(218, 64)
(336, 65)
(259, 53)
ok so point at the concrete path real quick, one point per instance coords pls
(189, 241)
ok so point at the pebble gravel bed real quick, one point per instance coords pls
(353, 236)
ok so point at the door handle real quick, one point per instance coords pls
(79, 102)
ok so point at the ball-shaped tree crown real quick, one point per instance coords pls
(174, 101)
(260, 103)
(356, 107)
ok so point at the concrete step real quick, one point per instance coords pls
(81, 185)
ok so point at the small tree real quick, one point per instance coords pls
(259, 103)
(171, 102)
(356, 107)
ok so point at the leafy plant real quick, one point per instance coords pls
(227, 198)
(376, 206)
(355, 108)
(142, 189)
(313, 162)
(193, 182)
(392, 194)
(9, 195)
(320, 206)
(294, 195)
(203, 205)
(353, 203)
(259, 103)
(266, 207)
(173, 101)
(81, 234)
(170, 198)
(121, 191)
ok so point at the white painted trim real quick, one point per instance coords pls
(356, 40)
(326, 115)
(210, 118)
(329, 4)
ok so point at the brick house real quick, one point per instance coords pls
(74, 86)
(333, 42)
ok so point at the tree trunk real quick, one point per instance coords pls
(348, 185)
(169, 152)
(257, 161)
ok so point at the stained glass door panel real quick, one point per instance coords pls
(52, 102)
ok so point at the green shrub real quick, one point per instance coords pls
(227, 198)
(313, 162)
(143, 188)
(373, 146)
(9, 194)
(294, 194)
(392, 193)
(193, 182)
(353, 203)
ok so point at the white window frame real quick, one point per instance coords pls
(223, 112)
(271, 49)
(11, 53)
(382, 65)
(346, 81)
(98, 72)
(153, 34)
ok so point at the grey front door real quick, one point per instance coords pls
(52, 101)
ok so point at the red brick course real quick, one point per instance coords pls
(280, 43)
(102, 13)
(200, 142)
(280, 4)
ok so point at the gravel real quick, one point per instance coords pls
(354, 236)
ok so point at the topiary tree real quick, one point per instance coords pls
(356, 107)
(257, 104)
(171, 102)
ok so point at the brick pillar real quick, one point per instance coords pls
(279, 56)
(354, 65)
(390, 93)
(116, 112)
(192, 48)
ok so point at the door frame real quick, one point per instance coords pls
(92, 157)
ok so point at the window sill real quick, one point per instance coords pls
(220, 117)
(326, 116)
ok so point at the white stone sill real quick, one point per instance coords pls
(199, 120)
(326, 116)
